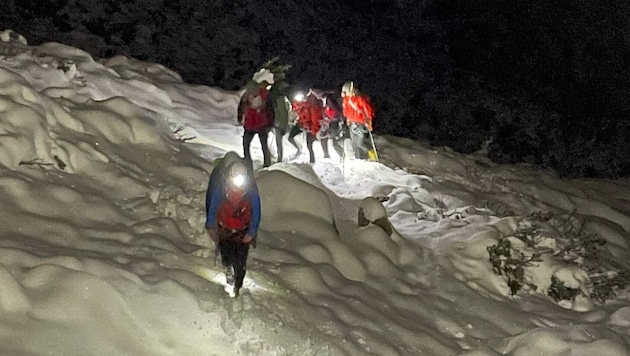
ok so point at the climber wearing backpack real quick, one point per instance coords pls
(219, 174)
(333, 127)
(232, 220)
(283, 116)
(255, 113)
(359, 113)
(273, 76)
(309, 117)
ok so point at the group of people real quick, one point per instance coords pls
(317, 114)
(233, 209)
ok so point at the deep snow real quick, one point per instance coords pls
(103, 250)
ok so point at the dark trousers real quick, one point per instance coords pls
(248, 136)
(234, 253)
(279, 132)
(337, 132)
(296, 130)
(358, 135)
(337, 144)
(324, 142)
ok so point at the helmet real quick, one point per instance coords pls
(237, 175)
(347, 87)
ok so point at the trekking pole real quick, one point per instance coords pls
(343, 151)
(373, 145)
(372, 140)
(365, 122)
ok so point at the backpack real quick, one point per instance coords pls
(281, 109)
(217, 177)
(235, 210)
(258, 112)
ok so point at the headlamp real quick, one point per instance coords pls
(299, 96)
(238, 180)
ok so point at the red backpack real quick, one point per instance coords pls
(235, 210)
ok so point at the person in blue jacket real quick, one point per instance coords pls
(233, 217)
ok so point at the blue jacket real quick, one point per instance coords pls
(214, 195)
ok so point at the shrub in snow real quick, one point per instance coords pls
(559, 291)
(566, 267)
(587, 251)
(511, 263)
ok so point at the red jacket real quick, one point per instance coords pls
(358, 109)
(235, 211)
(257, 114)
(309, 116)
(330, 112)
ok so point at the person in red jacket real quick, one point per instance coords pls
(333, 127)
(255, 113)
(359, 113)
(309, 117)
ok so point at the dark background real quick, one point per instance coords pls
(547, 81)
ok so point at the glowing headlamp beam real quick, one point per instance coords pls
(238, 180)
(299, 97)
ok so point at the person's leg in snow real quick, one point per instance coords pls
(279, 133)
(309, 144)
(248, 136)
(339, 132)
(357, 135)
(324, 142)
(227, 246)
(263, 134)
(295, 130)
(234, 258)
(240, 265)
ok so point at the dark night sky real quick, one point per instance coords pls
(534, 76)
